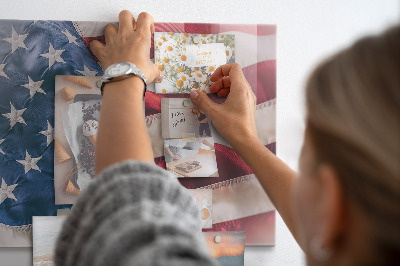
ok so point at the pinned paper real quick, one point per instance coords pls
(187, 60)
(210, 54)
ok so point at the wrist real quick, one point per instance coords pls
(131, 86)
(243, 141)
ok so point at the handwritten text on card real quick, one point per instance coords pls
(205, 55)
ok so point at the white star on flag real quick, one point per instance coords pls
(2, 73)
(34, 86)
(15, 116)
(53, 55)
(16, 40)
(29, 162)
(71, 38)
(87, 72)
(1, 141)
(6, 191)
(48, 133)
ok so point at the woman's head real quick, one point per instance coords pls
(350, 165)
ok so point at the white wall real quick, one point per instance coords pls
(307, 31)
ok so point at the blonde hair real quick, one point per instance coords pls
(353, 120)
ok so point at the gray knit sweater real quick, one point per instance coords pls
(134, 213)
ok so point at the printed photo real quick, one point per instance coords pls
(181, 119)
(188, 60)
(45, 233)
(204, 199)
(77, 112)
(226, 247)
(191, 157)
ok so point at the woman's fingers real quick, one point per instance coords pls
(223, 92)
(227, 70)
(126, 22)
(227, 79)
(225, 82)
(97, 49)
(110, 31)
(156, 75)
(145, 23)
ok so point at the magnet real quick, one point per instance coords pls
(98, 84)
(187, 102)
(196, 39)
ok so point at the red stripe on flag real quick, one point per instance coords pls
(88, 40)
(203, 28)
(262, 79)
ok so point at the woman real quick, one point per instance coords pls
(200, 116)
(343, 209)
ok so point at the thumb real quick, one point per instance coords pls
(156, 76)
(97, 49)
(202, 101)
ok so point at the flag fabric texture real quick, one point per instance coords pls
(31, 54)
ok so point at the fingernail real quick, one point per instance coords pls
(160, 78)
(194, 94)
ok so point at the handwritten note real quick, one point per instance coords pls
(205, 55)
(177, 118)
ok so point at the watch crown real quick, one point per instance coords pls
(98, 83)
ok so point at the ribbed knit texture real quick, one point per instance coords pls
(134, 213)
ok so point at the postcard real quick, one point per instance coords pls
(181, 118)
(226, 247)
(45, 232)
(77, 111)
(191, 157)
(188, 60)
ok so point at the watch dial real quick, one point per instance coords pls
(118, 69)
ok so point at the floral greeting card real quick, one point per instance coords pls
(188, 60)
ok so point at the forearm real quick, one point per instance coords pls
(169, 151)
(122, 131)
(274, 175)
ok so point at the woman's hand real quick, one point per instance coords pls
(235, 119)
(129, 43)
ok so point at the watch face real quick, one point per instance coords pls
(118, 69)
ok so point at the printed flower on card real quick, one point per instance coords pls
(163, 38)
(211, 38)
(204, 38)
(183, 57)
(203, 86)
(199, 76)
(180, 70)
(184, 78)
(161, 67)
(170, 51)
(229, 52)
(210, 69)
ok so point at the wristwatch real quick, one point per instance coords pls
(123, 69)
